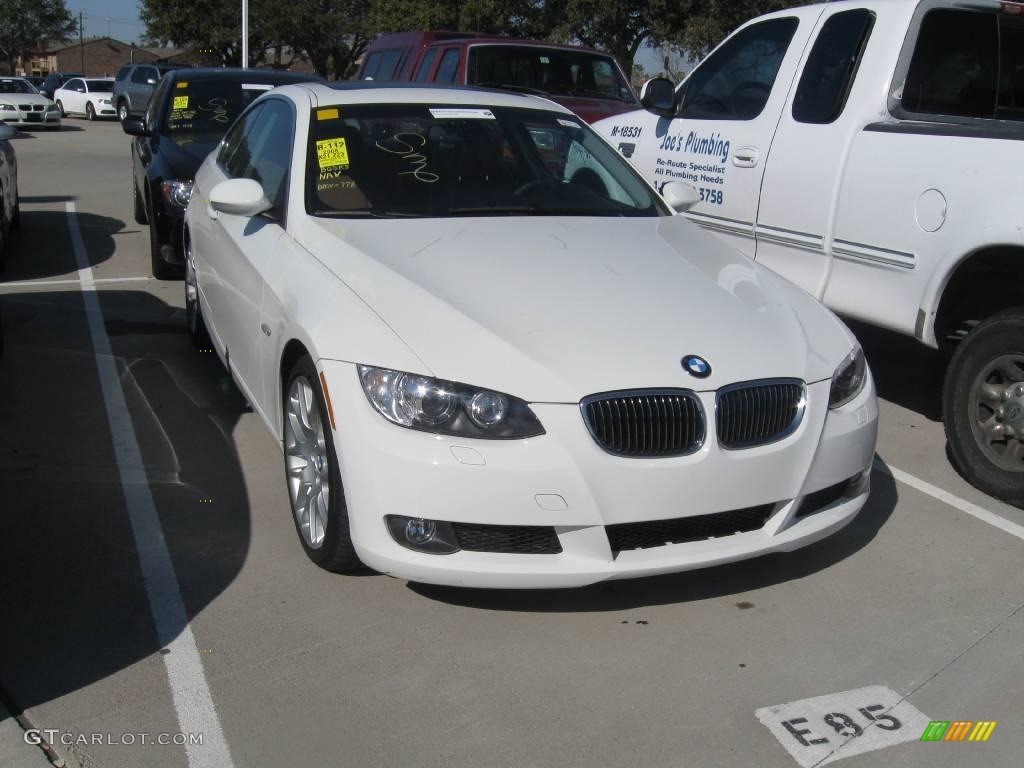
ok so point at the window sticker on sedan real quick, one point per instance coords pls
(181, 86)
(461, 113)
(332, 153)
(180, 102)
(327, 114)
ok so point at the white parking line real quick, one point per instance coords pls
(76, 281)
(192, 701)
(963, 505)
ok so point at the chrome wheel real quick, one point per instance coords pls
(997, 412)
(306, 462)
(122, 112)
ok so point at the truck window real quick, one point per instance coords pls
(955, 65)
(735, 81)
(832, 66)
(1011, 69)
(448, 67)
(381, 65)
(423, 70)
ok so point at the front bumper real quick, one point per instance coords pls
(564, 480)
(30, 120)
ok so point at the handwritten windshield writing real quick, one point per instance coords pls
(219, 107)
(405, 145)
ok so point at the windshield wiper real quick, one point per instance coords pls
(496, 210)
(509, 87)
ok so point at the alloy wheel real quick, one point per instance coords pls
(306, 462)
(191, 291)
(997, 411)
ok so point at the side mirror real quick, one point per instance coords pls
(7, 132)
(134, 126)
(658, 94)
(242, 197)
(680, 196)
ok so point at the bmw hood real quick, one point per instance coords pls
(24, 98)
(553, 309)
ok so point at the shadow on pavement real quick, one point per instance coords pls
(34, 252)
(732, 579)
(906, 372)
(74, 603)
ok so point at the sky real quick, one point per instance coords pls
(123, 14)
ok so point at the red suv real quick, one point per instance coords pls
(588, 82)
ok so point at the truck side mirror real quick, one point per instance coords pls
(658, 95)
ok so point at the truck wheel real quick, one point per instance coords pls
(983, 406)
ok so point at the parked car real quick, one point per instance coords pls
(55, 80)
(88, 96)
(493, 356)
(873, 157)
(189, 112)
(134, 85)
(22, 106)
(588, 82)
(10, 209)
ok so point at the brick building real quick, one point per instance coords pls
(99, 57)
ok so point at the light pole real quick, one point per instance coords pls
(245, 34)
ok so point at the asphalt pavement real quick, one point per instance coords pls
(913, 613)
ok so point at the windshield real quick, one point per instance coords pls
(554, 71)
(99, 86)
(208, 106)
(420, 160)
(16, 85)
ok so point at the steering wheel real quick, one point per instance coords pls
(529, 187)
(746, 92)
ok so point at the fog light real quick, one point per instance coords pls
(421, 535)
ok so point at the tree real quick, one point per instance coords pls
(204, 24)
(26, 25)
(712, 20)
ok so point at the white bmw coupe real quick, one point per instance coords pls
(494, 357)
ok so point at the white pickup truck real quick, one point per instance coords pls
(873, 153)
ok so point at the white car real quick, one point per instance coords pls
(495, 358)
(22, 106)
(87, 96)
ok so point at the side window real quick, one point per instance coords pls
(1011, 68)
(734, 83)
(122, 73)
(139, 75)
(448, 67)
(259, 147)
(381, 65)
(832, 66)
(73, 85)
(156, 103)
(423, 70)
(955, 66)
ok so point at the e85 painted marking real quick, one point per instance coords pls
(827, 728)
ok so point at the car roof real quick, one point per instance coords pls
(246, 75)
(369, 92)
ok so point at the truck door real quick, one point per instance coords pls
(718, 141)
(800, 187)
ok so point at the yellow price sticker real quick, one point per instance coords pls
(327, 114)
(180, 102)
(182, 85)
(331, 153)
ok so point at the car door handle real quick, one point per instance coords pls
(745, 157)
(265, 328)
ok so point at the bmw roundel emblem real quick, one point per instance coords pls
(697, 366)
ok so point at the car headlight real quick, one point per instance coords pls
(7, 107)
(177, 193)
(446, 408)
(849, 378)
(104, 101)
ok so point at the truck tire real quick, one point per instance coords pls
(983, 407)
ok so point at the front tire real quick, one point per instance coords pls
(161, 269)
(122, 111)
(138, 204)
(193, 311)
(60, 108)
(315, 491)
(90, 112)
(983, 407)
